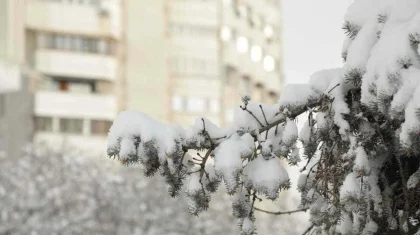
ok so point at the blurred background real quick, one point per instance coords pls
(68, 67)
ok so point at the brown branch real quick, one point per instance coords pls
(252, 114)
(265, 118)
(293, 115)
(338, 84)
(282, 212)
(281, 119)
(308, 230)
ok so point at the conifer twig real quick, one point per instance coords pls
(282, 212)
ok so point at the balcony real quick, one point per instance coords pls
(74, 105)
(196, 12)
(71, 18)
(75, 64)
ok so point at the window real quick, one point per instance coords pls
(258, 93)
(190, 30)
(71, 126)
(102, 47)
(225, 33)
(234, 35)
(95, 2)
(242, 44)
(250, 16)
(81, 2)
(59, 42)
(273, 97)
(230, 73)
(236, 8)
(100, 127)
(75, 43)
(193, 66)
(63, 85)
(43, 124)
(41, 41)
(269, 63)
(78, 44)
(256, 53)
(178, 103)
(67, 43)
(245, 83)
(66, 84)
(268, 31)
(196, 105)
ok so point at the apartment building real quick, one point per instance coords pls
(75, 44)
(69, 54)
(86, 60)
(189, 58)
(250, 42)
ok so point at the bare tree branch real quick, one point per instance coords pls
(281, 212)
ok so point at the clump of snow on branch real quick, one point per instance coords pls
(229, 156)
(266, 176)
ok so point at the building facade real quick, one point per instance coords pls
(87, 60)
(16, 101)
(190, 58)
(75, 45)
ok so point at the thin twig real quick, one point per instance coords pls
(252, 114)
(308, 230)
(333, 88)
(282, 212)
(265, 118)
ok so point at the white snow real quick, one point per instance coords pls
(244, 120)
(248, 226)
(228, 158)
(405, 93)
(130, 124)
(297, 94)
(413, 180)
(322, 80)
(266, 176)
(350, 187)
(194, 185)
(359, 50)
(305, 132)
(290, 133)
(361, 164)
(346, 225)
(370, 228)
(412, 122)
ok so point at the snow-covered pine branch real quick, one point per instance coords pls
(361, 142)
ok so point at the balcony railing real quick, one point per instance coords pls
(73, 105)
(61, 16)
(76, 64)
(199, 12)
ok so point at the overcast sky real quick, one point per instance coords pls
(312, 36)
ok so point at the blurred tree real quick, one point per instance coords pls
(46, 192)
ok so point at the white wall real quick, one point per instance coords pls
(10, 77)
